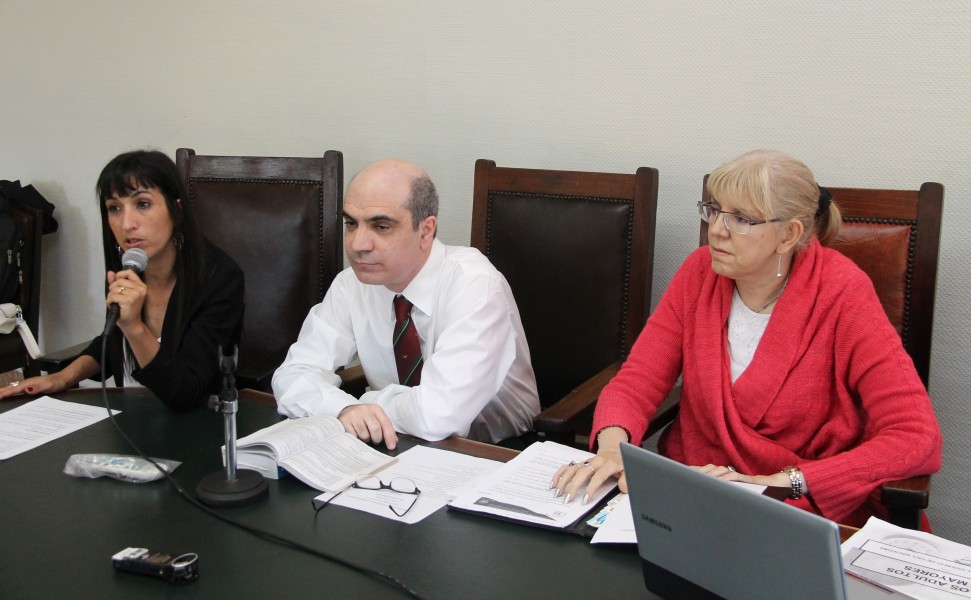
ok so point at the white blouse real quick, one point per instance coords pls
(745, 329)
(129, 359)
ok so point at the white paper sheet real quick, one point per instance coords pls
(914, 563)
(520, 489)
(42, 420)
(616, 523)
(440, 475)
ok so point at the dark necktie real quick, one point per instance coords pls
(407, 350)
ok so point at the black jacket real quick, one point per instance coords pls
(186, 371)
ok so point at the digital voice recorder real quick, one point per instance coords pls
(182, 568)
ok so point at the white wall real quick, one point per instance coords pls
(868, 93)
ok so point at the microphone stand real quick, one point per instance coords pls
(232, 487)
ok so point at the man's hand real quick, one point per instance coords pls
(369, 423)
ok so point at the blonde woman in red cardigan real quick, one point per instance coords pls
(792, 375)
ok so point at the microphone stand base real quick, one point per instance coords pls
(217, 491)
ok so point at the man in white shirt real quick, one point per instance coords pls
(476, 379)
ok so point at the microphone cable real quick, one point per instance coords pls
(262, 533)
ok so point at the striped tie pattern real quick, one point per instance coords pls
(407, 350)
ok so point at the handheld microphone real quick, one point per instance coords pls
(134, 259)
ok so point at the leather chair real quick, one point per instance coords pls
(577, 250)
(894, 236)
(280, 219)
(13, 353)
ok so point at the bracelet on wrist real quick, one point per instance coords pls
(797, 482)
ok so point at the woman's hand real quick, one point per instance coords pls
(128, 291)
(730, 474)
(45, 384)
(592, 473)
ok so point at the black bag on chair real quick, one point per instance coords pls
(28, 196)
(11, 244)
(12, 237)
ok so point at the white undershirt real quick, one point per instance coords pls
(745, 329)
(129, 360)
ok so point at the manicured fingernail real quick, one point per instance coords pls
(586, 497)
(566, 499)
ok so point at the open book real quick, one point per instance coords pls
(316, 450)
(520, 491)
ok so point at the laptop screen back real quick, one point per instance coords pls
(701, 537)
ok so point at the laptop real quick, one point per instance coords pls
(703, 538)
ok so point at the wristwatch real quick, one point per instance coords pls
(797, 481)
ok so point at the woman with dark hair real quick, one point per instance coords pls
(173, 317)
(792, 375)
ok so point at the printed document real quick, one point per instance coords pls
(520, 489)
(438, 474)
(615, 523)
(914, 563)
(42, 420)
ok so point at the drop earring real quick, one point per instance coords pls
(778, 270)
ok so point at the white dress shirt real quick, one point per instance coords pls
(477, 380)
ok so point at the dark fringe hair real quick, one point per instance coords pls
(151, 168)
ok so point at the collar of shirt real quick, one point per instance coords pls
(421, 290)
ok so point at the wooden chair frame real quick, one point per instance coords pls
(252, 172)
(566, 417)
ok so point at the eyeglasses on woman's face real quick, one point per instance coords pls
(734, 222)
(401, 485)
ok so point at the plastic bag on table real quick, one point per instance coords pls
(134, 469)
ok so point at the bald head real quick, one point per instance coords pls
(390, 169)
(396, 178)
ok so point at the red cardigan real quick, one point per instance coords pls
(830, 388)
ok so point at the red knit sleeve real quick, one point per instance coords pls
(649, 373)
(901, 437)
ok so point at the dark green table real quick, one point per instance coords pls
(57, 533)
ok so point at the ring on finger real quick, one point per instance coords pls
(586, 463)
(731, 469)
